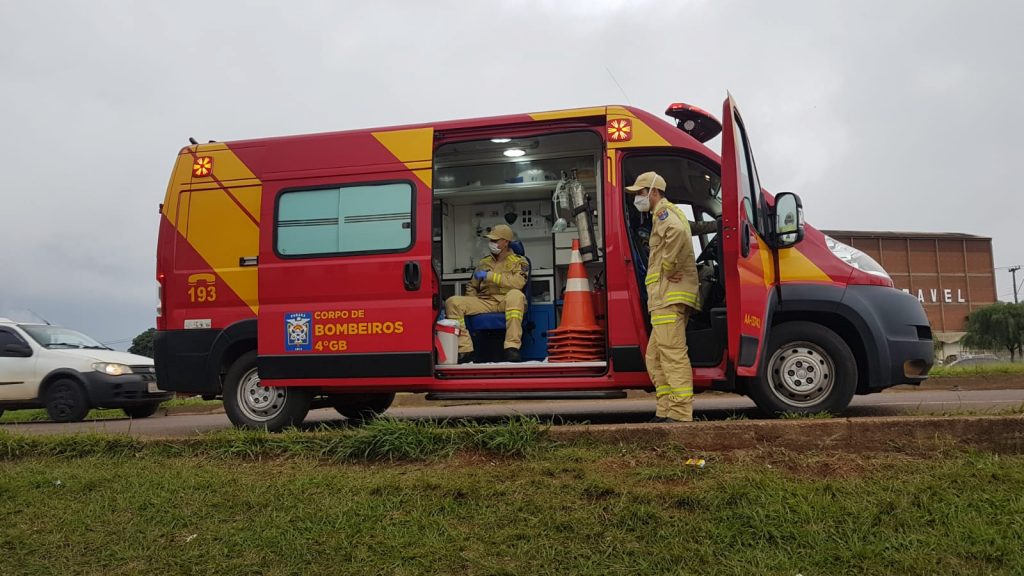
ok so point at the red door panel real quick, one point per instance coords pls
(364, 310)
(748, 261)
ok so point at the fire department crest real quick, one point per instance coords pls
(297, 331)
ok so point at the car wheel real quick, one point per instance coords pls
(142, 410)
(66, 401)
(361, 407)
(808, 368)
(250, 405)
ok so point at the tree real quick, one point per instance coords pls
(999, 326)
(143, 343)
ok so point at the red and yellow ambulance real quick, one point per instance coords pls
(311, 270)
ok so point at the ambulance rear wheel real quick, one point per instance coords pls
(252, 406)
(362, 407)
(807, 369)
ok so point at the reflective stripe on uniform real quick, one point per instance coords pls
(662, 390)
(685, 297)
(497, 278)
(659, 319)
(652, 278)
(682, 392)
(509, 314)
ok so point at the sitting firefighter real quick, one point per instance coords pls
(497, 286)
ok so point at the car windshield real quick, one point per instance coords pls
(57, 337)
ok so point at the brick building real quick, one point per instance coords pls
(951, 274)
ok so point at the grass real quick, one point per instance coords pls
(39, 414)
(191, 402)
(977, 370)
(381, 440)
(806, 415)
(279, 507)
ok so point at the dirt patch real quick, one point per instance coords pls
(903, 435)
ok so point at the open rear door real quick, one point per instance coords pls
(748, 261)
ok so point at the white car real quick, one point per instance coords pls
(69, 373)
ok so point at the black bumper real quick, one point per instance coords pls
(901, 339)
(107, 391)
(183, 360)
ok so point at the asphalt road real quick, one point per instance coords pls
(710, 407)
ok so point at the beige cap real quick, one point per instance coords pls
(645, 181)
(500, 232)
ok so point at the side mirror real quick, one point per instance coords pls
(16, 351)
(789, 220)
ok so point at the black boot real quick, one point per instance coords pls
(512, 355)
(467, 358)
(659, 420)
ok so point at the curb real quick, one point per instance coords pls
(1004, 434)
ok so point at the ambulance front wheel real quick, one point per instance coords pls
(252, 406)
(362, 407)
(807, 369)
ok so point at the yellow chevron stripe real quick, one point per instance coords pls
(795, 266)
(181, 176)
(570, 113)
(413, 147)
(221, 232)
(214, 225)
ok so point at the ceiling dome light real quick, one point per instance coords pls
(501, 140)
(515, 152)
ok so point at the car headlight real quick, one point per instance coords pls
(856, 258)
(112, 368)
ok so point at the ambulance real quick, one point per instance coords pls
(311, 271)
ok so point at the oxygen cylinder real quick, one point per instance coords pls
(584, 217)
(561, 202)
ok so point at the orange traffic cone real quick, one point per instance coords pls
(578, 338)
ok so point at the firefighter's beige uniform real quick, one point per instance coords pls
(670, 304)
(501, 291)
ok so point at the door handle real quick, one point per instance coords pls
(411, 276)
(745, 240)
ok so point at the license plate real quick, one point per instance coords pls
(152, 388)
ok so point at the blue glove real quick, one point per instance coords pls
(480, 275)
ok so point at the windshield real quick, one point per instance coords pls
(57, 337)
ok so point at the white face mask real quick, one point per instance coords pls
(642, 203)
(494, 248)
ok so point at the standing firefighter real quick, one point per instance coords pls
(671, 297)
(497, 286)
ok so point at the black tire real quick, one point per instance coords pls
(807, 368)
(66, 401)
(255, 407)
(362, 407)
(142, 410)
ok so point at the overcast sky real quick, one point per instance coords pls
(882, 115)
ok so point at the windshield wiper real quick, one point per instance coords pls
(64, 344)
(100, 347)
